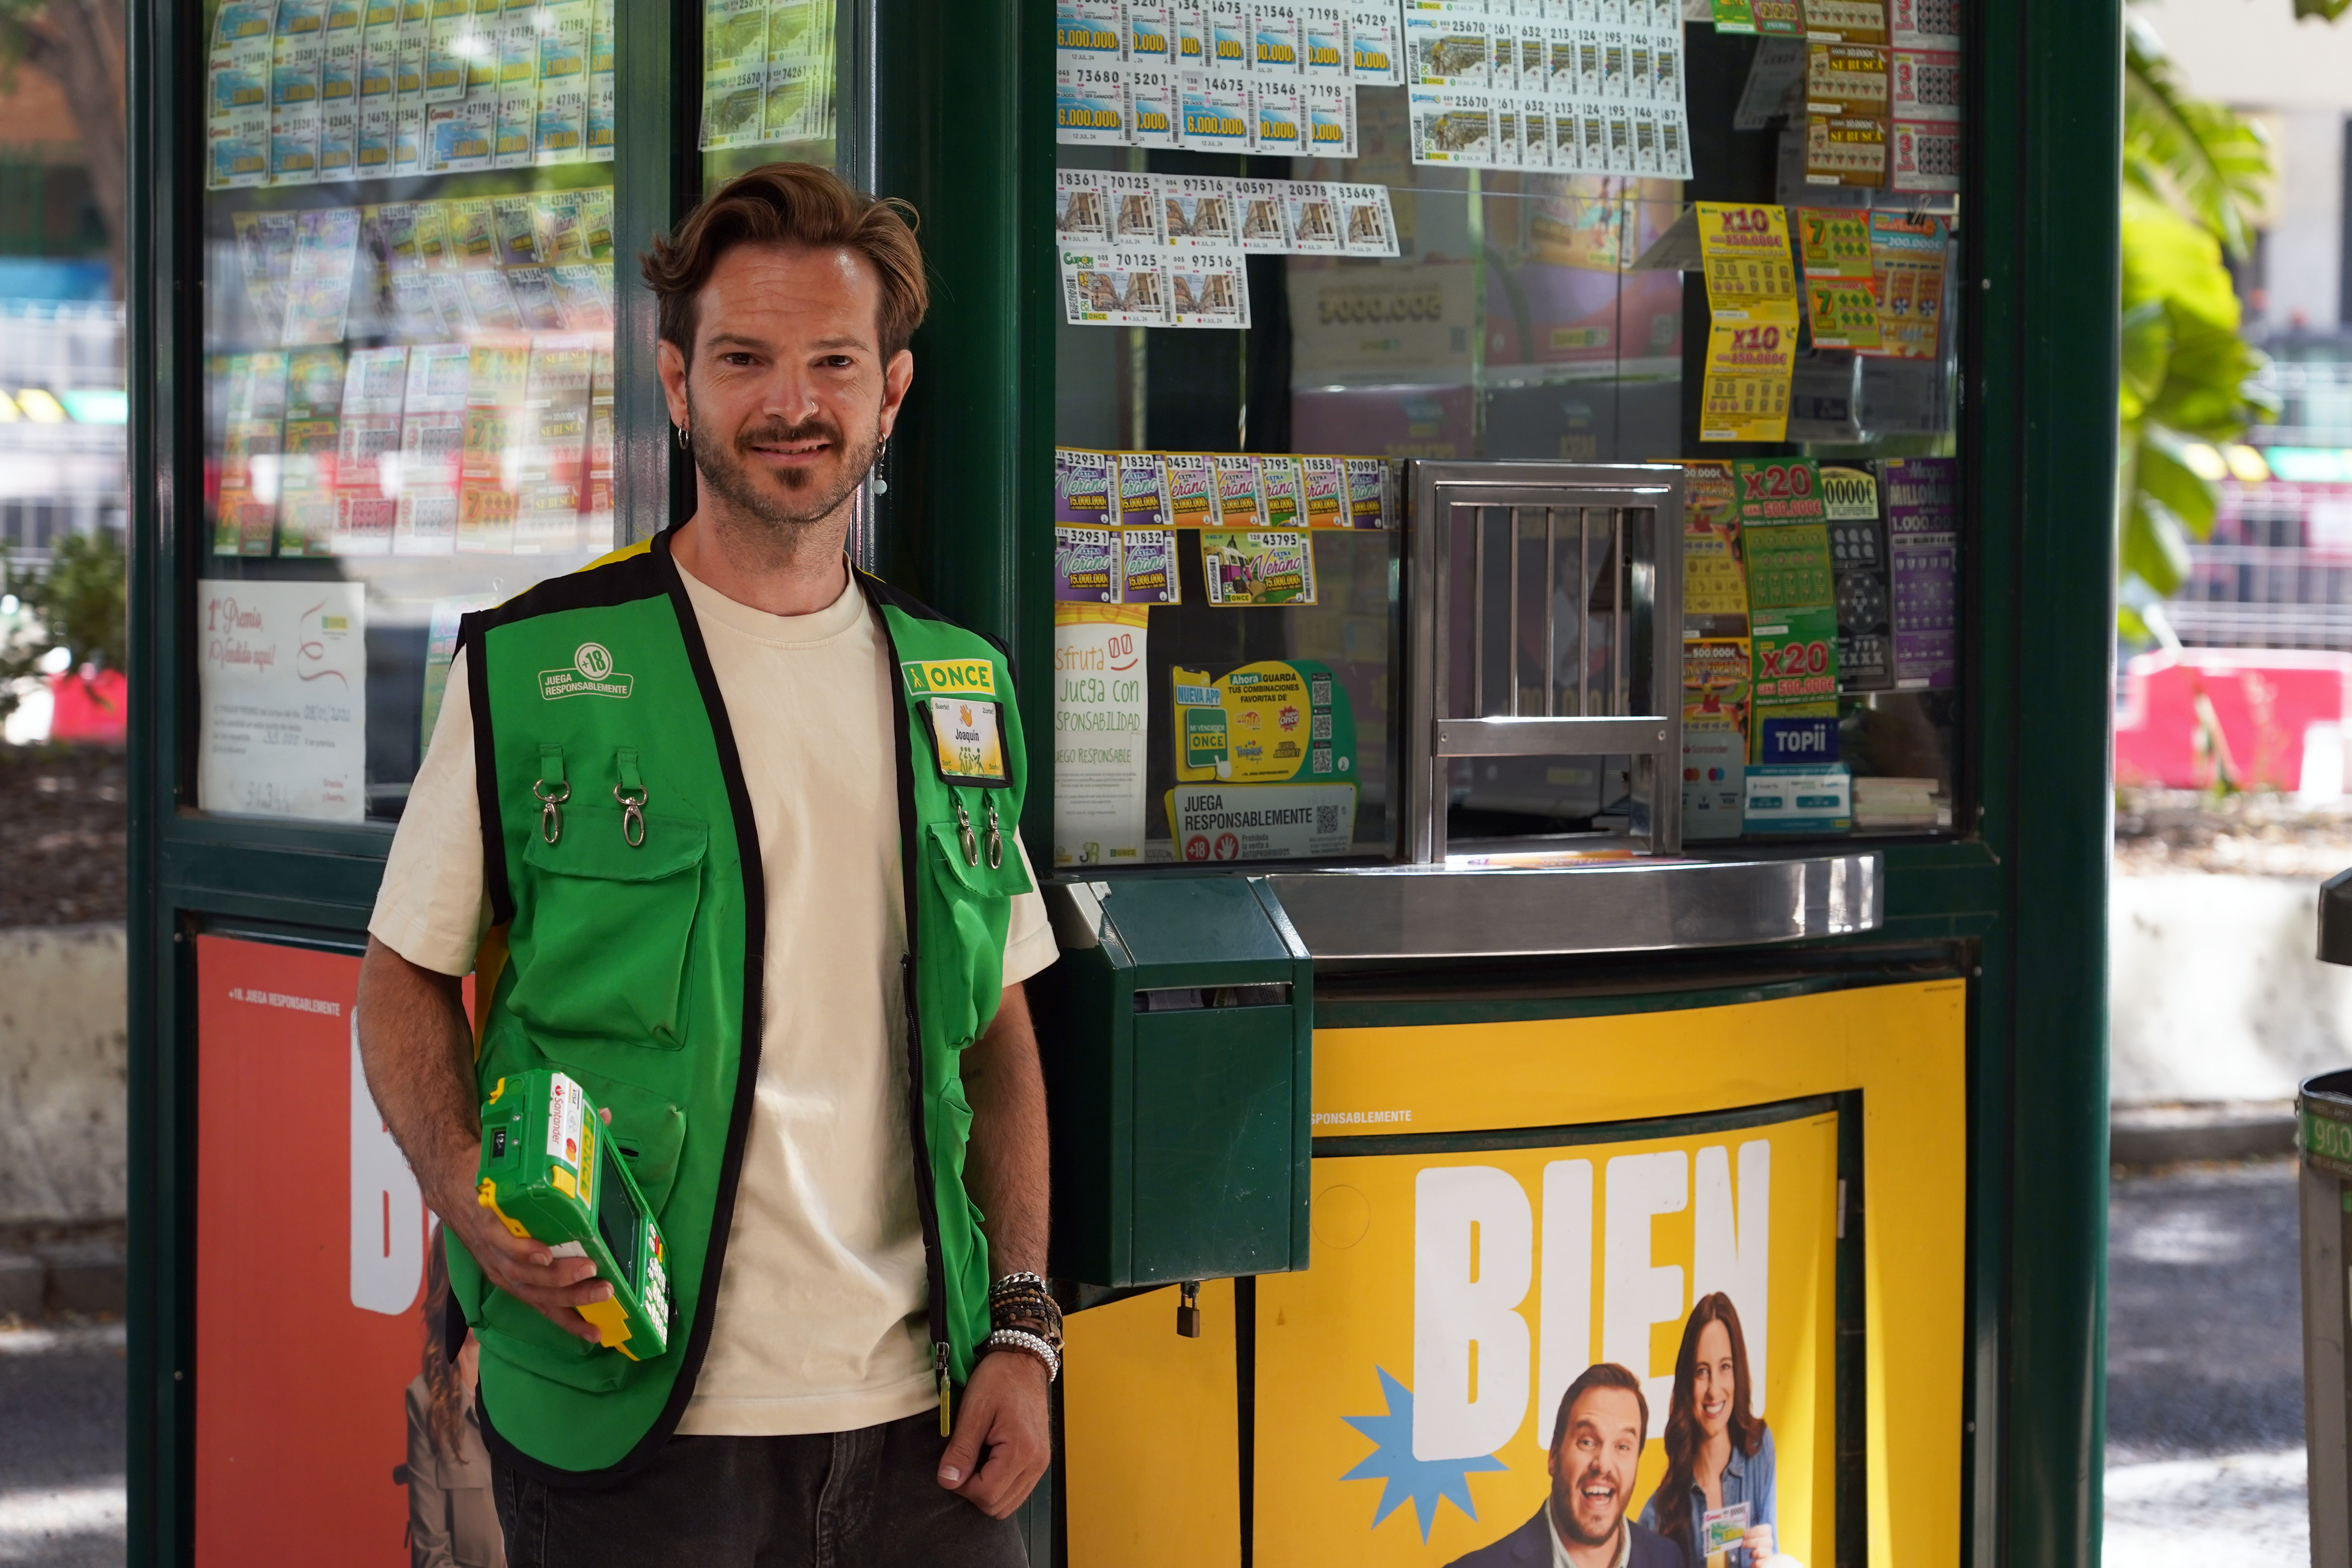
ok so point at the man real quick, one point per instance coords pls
(1596, 1443)
(720, 827)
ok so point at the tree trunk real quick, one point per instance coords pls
(79, 45)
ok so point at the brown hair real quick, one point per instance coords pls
(1601, 1375)
(1683, 1438)
(804, 206)
(445, 1397)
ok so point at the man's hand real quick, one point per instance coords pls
(419, 1056)
(525, 1269)
(1003, 1412)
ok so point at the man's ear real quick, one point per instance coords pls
(898, 376)
(670, 364)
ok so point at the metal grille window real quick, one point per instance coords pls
(1544, 620)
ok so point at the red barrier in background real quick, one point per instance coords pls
(89, 709)
(2263, 718)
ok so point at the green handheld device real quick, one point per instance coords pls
(550, 1171)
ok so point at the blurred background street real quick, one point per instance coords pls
(2205, 1456)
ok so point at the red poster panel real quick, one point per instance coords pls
(311, 1237)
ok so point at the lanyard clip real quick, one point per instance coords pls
(995, 838)
(551, 793)
(632, 794)
(965, 839)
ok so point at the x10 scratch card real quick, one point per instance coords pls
(550, 1171)
(1751, 296)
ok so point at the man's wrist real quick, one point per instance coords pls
(1033, 1348)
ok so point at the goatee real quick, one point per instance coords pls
(808, 497)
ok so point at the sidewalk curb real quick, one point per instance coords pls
(2135, 1141)
(86, 1277)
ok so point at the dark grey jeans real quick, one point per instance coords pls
(867, 1498)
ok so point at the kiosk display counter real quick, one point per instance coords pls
(1509, 538)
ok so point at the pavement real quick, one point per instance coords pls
(61, 1446)
(2205, 1456)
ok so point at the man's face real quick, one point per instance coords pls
(788, 395)
(1592, 1467)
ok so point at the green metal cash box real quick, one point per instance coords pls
(1177, 1033)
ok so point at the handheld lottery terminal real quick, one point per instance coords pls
(550, 1173)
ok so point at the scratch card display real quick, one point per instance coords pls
(1086, 565)
(299, 93)
(1166, 250)
(1274, 566)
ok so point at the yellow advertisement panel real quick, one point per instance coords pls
(1499, 1347)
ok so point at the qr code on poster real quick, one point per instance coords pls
(1327, 819)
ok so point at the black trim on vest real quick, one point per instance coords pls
(472, 638)
(878, 593)
(910, 848)
(622, 582)
(622, 586)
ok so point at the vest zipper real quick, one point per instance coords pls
(927, 1201)
(927, 1196)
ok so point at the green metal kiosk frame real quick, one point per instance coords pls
(2015, 903)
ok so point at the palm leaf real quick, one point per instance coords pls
(2206, 162)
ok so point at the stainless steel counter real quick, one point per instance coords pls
(1622, 906)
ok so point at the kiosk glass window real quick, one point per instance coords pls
(410, 273)
(772, 77)
(1600, 231)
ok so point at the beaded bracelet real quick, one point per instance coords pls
(1022, 1340)
(1023, 1299)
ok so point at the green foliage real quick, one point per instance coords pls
(2325, 10)
(83, 599)
(2198, 158)
(2192, 179)
(79, 604)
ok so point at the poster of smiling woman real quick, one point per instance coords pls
(1611, 1354)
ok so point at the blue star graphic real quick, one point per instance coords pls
(1404, 1477)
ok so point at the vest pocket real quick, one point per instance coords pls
(517, 1334)
(609, 925)
(977, 902)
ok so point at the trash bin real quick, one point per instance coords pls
(2323, 1134)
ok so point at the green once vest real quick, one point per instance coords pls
(636, 967)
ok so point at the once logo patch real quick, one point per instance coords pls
(591, 675)
(957, 676)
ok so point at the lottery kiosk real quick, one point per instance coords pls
(1541, 544)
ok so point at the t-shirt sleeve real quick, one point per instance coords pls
(432, 908)
(1029, 945)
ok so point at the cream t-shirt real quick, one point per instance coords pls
(822, 1303)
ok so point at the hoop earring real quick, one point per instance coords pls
(881, 457)
(685, 436)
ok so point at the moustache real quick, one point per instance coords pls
(780, 434)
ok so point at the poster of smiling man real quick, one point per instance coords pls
(1611, 1354)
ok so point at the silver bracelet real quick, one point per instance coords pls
(1022, 1340)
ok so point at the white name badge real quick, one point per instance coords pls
(965, 731)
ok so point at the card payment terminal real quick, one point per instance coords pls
(550, 1171)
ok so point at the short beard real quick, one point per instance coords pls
(787, 518)
(1563, 1517)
